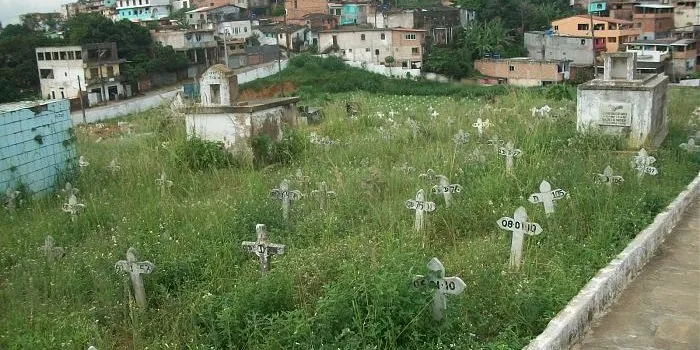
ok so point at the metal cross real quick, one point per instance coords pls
(481, 125)
(420, 206)
(163, 182)
(135, 269)
(428, 175)
(73, 207)
(446, 189)
(262, 248)
(546, 196)
(690, 146)
(286, 195)
(608, 178)
(495, 142)
(323, 194)
(509, 152)
(460, 138)
(519, 226)
(642, 163)
(52, 252)
(113, 166)
(443, 285)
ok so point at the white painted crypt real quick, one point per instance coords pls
(625, 103)
(221, 117)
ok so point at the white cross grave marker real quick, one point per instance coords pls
(323, 194)
(113, 166)
(405, 168)
(509, 152)
(164, 183)
(608, 178)
(50, 250)
(642, 163)
(481, 125)
(476, 155)
(414, 128)
(73, 207)
(519, 226)
(69, 189)
(420, 206)
(443, 285)
(546, 196)
(11, 199)
(262, 248)
(135, 269)
(83, 163)
(690, 146)
(446, 189)
(300, 177)
(495, 142)
(460, 138)
(286, 195)
(429, 175)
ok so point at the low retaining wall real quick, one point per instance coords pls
(600, 292)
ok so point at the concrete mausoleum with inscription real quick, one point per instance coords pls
(625, 103)
(222, 117)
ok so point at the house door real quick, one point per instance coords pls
(335, 40)
(113, 93)
(215, 94)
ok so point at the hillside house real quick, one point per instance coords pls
(610, 33)
(375, 45)
(550, 46)
(654, 20)
(142, 10)
(210, 17)
(524, 71)
(678, 58)
(687, 13)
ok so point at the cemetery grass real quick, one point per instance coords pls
(345, 281)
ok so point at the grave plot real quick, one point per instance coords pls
(327, 247)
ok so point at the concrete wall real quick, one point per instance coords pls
(36, 144)
(135, 105)
(403, 19)
(555, 47)
(262, 71)
(686, 15)
(234, 130)
(523, 73)
(396, 72)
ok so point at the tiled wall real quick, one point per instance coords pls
(36, 146)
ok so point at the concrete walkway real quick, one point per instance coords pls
(660, 309)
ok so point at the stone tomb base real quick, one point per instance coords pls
(635, 109)
(235, 125)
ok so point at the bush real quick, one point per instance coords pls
(559, 92)
(200, 154)
(267, 151)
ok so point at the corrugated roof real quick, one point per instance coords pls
(599, 18)
(655, 6)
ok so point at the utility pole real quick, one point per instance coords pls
(286, 35)
(595, 66)
(279, 61)
(82, 106)
(226, 47)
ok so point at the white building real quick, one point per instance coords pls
(210, 17)
(270, 34)
(178, 5)
(235, 29)
(374, 45)
(93, 68)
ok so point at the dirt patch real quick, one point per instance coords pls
(268, 91)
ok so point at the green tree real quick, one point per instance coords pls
(487, 37)
(131, 38)
(454, 62)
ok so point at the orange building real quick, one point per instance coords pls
(297, 9)
(210, 3)
(610, 33)
(655, 21)
(524, 71)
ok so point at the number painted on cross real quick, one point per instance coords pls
(519, 225)
(443, 285)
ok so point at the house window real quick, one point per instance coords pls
(612, 40)
(414, 51)
(191, 15)
(383, 36)
(40, 56)
(583, 41)
(71, 55)
(556, 27)
(55, 56)
(349, 50)
(376, 52)
(46, 73)
(63, 55)
(295, 4)
(94, 73)
(367, 49)
(583, 27)
(410, 37)
(362, 37)
(511, 68)
(110, 71)
(78, 55)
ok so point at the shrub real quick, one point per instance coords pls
(559, 92)
(267, 151)
(201, 154)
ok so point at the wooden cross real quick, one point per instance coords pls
(262, 248)
(481, 125)
(164, 183)
(446, 189)
(690, 146)
(286, 195)
(519, 226)
(323, 194)
(135, 269)
(608, 178)
(428, 175)
(547, 196)
(113, 167)
(52, 253)
(443, 286)
(10, 199)
(642, 163)
(460, 138)
(73, 207)
(495, 142)
(300, 177)
(82, 162)
(509, 152)
(420, 206)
